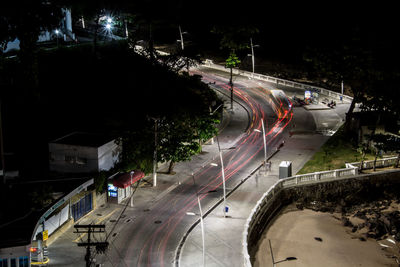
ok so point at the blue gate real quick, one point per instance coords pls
(82, 207)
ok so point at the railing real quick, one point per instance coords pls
(266, 200)
(58, 204)
(380, 163)
(323, 91)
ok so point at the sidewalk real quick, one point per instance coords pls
(64, 251)
(223, 245)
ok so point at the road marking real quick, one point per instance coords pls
(97, 222)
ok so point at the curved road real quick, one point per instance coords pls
(152, 238)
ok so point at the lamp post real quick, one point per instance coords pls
(265, 142)
(252, 54)
(181, 35)
(212, 113)
(274, 263)
(132, 172)
(341, 97)
(57, 32)
(223, 176)
(155, 152)
(201, 219)
(183, 46)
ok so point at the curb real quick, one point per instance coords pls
(213, 207)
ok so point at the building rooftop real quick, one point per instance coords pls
(84, 139)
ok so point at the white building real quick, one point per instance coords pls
(18, 256)
(83, 153)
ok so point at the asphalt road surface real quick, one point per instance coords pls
(152, 238)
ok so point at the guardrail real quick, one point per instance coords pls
(264, 203)
(209, 63)
(380, 163)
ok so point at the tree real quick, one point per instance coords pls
(234, 38)
(362, 57)
(177, 140)
(136, 152)
(231, 62)
(25, 20)
(362, 149)
(386, 143)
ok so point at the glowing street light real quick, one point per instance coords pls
(57, 32)
(132, 172)
(202, 228)
(252, 54)
(181, 35)
(223, 175)
(201, 218)
(265, 143)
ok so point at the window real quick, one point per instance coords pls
(23, 262)
(3, 262)
(75, 160)
(70, 159)
(81, 161)
(13, 262)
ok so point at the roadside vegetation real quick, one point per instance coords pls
(335, 153)
(114, 91)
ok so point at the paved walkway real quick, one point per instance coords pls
(223, 244)
(223, 236)
(64, 251)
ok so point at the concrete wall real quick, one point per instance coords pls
(369, 185)
(108, 155)
(74, 159)
(14, 253)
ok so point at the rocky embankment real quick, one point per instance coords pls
(378, 220)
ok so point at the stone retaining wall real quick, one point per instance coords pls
(370, 186)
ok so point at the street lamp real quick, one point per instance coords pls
(201, 220)
(108, 28)
(57, 32)
(223, 175)
(132, 172)
(341, 96)
(265, 142)
(212, 113)
(276, 262)
(155, 152)
(252, 54)
(181, 35)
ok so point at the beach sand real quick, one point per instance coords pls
(293, 233)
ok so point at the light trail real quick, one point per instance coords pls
(152, 252)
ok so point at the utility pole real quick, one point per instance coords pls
(341, 96)
(155, 152)
(231, 84)
(181, 35)
(252, 56)
(2, 148)
(90, 229)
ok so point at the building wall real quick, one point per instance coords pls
(73, 159)
(108, 155)
(19, 254)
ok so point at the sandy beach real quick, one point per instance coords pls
(320, 239)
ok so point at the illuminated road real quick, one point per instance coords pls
(151, 239)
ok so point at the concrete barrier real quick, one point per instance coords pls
(334, 95)
(277, 196)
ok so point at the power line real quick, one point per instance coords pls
(90, 229)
